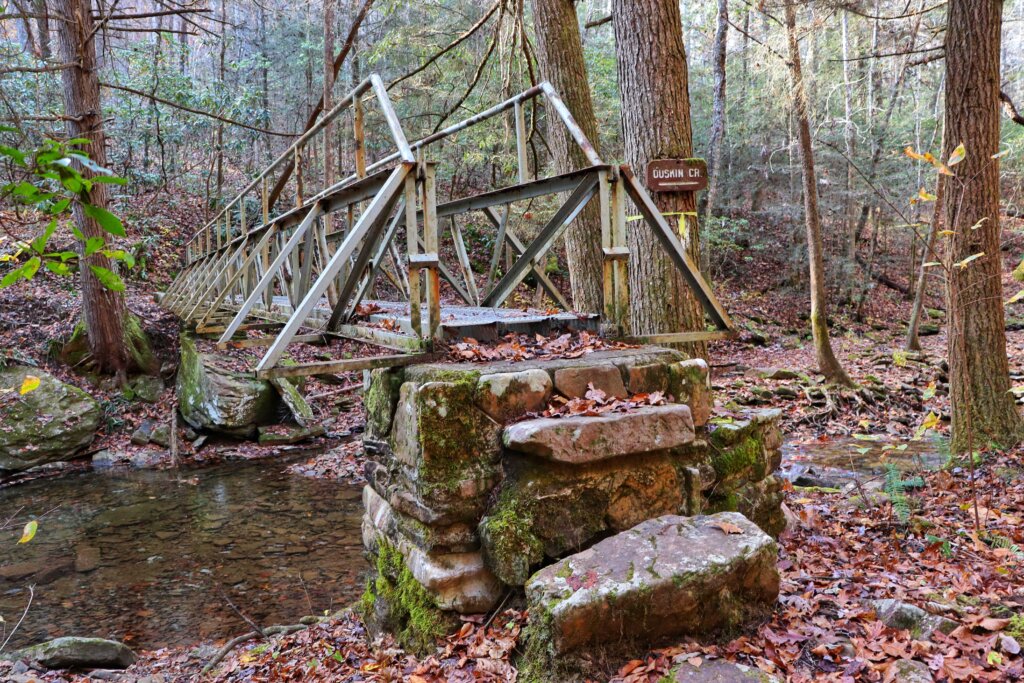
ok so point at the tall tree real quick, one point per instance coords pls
(982, 405)
(717, 141)
(115, 343)
(828, 364)
(560, 53)
(654, 85)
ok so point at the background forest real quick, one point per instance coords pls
(832, 213)
(874, 74)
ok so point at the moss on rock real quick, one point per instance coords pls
(396, 602)
(509, 544)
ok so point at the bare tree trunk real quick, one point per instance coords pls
(718, 108)
(43, 27)
(913, 341)
(654, 84)
(560, 53)
(982, 406)
(828, 364)
(223, 85)
(103, 310)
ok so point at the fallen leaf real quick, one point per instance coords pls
(727, 527)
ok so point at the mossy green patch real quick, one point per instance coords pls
(508, 541)
(396, 601)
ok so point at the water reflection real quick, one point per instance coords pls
(142, 556)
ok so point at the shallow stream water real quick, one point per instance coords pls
(146, 556)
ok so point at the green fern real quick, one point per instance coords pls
(997, 541)
(896, 487)
(946, 548)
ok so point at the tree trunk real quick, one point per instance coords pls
(42, 27)
(103, 310)
(827, 362)
(718, 108)
(916, 311)
(983, 409)
(653, 81)
(560, 53)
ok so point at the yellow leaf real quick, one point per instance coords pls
(958, 155)
(30, 383)
(30, 532)
(978, 224)
(973, 257)
(1000, 154)
(944, 170)
(946, 233)
(909, 151)
(1016, 297)
(925, 195)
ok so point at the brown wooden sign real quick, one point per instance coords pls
(677, 175)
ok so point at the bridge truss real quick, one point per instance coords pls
(302, 275)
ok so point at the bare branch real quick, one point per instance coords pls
(199, 112)
(452, 45)
(1010, 108)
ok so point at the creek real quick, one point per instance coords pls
(147, 557)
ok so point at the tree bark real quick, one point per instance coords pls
(560, 53)
(718, 108)
(828, 364)
(103, 310)
(983, 410)
(654, 86)
(42, 27)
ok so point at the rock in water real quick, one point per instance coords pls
(79, 653)
(50, 423)
(667, 576)
(213, 397)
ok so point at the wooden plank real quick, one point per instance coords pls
(371, 216)
(381, 337)
(516, 246)
(670, 242)
(463, 256)
(412, 242)
(681, 337)
(430, 246)
(565, 214)
(349, 365)
(267, 341)
(269, 325)
(268, 276)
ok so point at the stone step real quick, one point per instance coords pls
(585, 439)
(669, 576)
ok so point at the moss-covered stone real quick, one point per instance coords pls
(746, 450)
(758, 501)
(380, 401)
(214, 397)
(509, 544)
(52, 422)
(567, 507)
(451, 446)
(396, 602)
(688, 383)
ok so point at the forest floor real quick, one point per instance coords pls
(920, 542)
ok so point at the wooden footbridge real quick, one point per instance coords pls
(304, 274)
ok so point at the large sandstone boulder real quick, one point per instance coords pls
(79, 653)
(212, 396)
(547, 509)
(584, 439)
(670, 576)
(720, 671)
(52, 422)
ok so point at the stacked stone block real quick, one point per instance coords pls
(474, 492)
